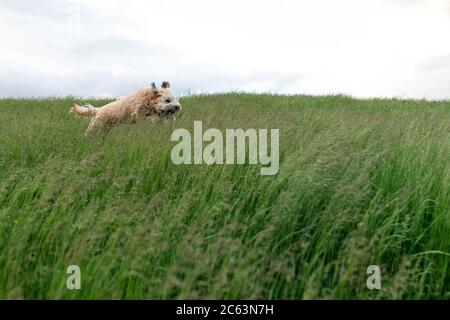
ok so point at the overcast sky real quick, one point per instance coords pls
(363, 48)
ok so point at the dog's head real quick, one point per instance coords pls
(165, 100)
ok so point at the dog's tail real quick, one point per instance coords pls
(84, 111)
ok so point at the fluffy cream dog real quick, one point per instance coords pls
(149, 102)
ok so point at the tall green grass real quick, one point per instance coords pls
(361, 182)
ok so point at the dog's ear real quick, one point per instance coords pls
(165, 84)
(153, 85)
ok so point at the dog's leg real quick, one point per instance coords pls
(134, 117)
(91, 125)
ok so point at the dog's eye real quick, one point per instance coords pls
(167, 100)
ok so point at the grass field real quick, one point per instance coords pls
(361, 182)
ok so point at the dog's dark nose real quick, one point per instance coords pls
(177, 108)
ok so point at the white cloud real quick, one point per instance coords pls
(358, 47)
